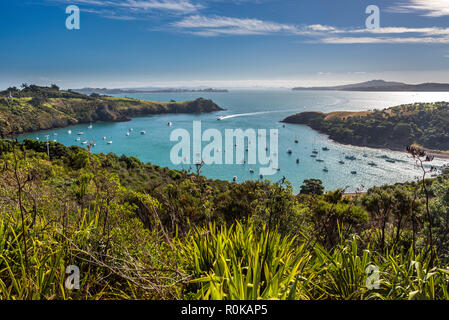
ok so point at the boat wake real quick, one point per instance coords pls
(253, 114)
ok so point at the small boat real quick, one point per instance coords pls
(78, 139)
(296, 141)
(80, 133)
(127, 134)
(319, 160)
(234, 179)
(170, 124)
(384, 157)
(261, 176)
(313, 155)
(325, 169)
(365, 155)
(55, 134)
(90, 127)
(69, 132)
(372, 164)
(351, 157)
(353, 172)
(104, 138)
(315, 151)
(391, 160)
(131, 129)
(251, 170)
(84, 142)
(109, 142)
(341, 162)
(325, 149)
(297, 160)
(220, 118)
(289, 151)
(37, 138)
(143, 132)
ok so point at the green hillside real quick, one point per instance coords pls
(138, 231)
(425, 124)
(39, 108)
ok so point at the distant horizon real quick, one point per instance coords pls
(214, 85)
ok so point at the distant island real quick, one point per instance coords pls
(423, 124)
(89, 91)
(36, 108)
(383, 86)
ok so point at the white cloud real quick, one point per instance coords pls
(367, 40)
(217, 25)
(115, 9)
(429, 8)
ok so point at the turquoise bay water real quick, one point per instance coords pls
(262, 109)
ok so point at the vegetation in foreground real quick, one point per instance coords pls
(138, 231)
(424, 124)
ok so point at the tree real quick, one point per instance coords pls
(312, 186)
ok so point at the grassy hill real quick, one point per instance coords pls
(138, 231)
(38, 108)
(425, 124)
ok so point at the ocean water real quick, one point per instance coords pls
(262, 109)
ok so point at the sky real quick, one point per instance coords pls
(222, 43)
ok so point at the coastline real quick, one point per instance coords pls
(436, 153)
(106, 110)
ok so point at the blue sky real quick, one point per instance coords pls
(222, 43)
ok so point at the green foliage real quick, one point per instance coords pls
(139, 231)
(426, 124)
(312, 186)
(237, 264)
